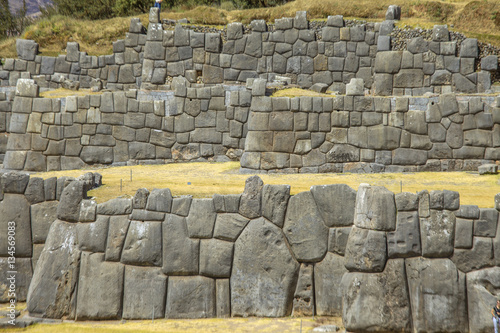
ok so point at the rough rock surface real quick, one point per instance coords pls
(190, 297)
(365, 250)
(264, 272)
(375, 208)
(482, 286)
(327, 278)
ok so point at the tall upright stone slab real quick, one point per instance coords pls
(375, 208)
(264, 272)
(437, 295)
(327, 285)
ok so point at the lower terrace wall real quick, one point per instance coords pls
(347, 133)
(328, 251)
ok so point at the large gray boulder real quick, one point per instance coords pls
(480, 256)
(274, 203)
(404, 242)
(437, 295)
(92, 236)
(190, 297)
(52, 292)
(366, 250)
(327, 278)
(100, 288)
(180, 253)
(336, 204)
(303, 299)
(201, 218)
(26, 49)
(264, 272)
(216, 258)
(250, 202)
(377, 302)
(228, 226)
(437, 234)
(144, 293)
(304, 228)
(143, 244)
(481, 298)
(69, 203)
(15, 208)
(375, 208)
(117, 231)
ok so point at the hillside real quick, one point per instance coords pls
(96, 37)
(32, 5)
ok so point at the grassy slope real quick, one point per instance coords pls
(207, 179)
(96, 37)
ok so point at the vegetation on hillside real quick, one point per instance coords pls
(96, 37)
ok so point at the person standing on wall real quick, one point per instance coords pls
(496, 315)
(158, 4)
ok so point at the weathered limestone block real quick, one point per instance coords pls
(190, 297)
(274, 203)
(15, 208)
(337, 240)
(437, 295)
(22, 281)
(69, 203)
(201, 218)
(180, 253)
(250, 202)
(481, 297)
(118, 206)
(42, 216)
(437, 234)
(117, 231)
(229, 226)
(480, 256)
(304, 228)
(223, 298)
(14, 182)
(377, 302)
(264, 272)
(375, 208)
(160, 200)
(216, 257)
(336, 204)
(100, 288)
(144, 293)
(327, 281)
(366, 250)
(52, 292)
(143, 244)
(303, 299)
(92, 236)
(404, 242)
(26, 49)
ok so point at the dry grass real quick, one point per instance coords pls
(96, 37)
(243, 325)
(206, 179)
(295, 92)
(61, 92)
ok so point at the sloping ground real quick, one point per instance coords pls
(206, 179)
(96, 37)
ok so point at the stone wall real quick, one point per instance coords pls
(328, 251)
(117, 127)
(332, 56)
(351, 133)
(32, 203)
(357, 133)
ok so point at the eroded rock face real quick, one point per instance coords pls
(250, 202)
(437, 295)
(375, 208)
(336, 204)
(69, 204)
(377, 302)
(482, 294)
(365, 250)
(264, 272)
(52, 293)
(100, 288)
(190, 297)
(303, 299)
(15, 208)
(304, 228)
(327, 288)
(437, 233)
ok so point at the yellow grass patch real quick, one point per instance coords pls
(295, 92)
(61, 92)
(215, 325)
(206, 179)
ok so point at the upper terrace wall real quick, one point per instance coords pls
(352, 133)
(328, 251)
(332, 56)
